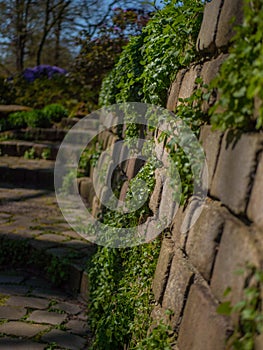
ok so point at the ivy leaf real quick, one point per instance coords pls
(224, 308)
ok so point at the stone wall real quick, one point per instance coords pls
(197, 263)
(196, 266)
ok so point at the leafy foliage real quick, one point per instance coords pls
(241, 79)
(36, 118)
(17, 120)
(6, 91)
(59, 89)
(249, 312)
(150, 61)
(121, 299)
(55, 112)
(159, 338)
(121, 279)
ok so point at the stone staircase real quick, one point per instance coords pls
(32, 227)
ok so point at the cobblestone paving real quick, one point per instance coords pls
(34, 315)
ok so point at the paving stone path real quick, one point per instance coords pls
(43, 279)
(33, 314)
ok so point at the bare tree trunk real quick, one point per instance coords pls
(53, 15)
(57, 44)
(21, 23)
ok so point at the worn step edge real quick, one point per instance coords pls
(36, 178)
(75, 279)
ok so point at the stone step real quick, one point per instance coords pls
(34, 134)
(17, 148)
(90, 122)
(27, 172)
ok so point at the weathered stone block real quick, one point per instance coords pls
(150, 229)
(168, 206)
(188, 83)
(156, 195)
(235, 169)
(123, 192)
(34, 303)
(18, 344)
(22, 329)
(180, 278)
(259, 342)
(74, 279)
(190, 216)
(96, 207)
(48, 317)
(255, 206)
(176, 226)
(231, 15)
(206, 38)
(116, 151)
(163, 268)
(202, 327)
(237, 248)
(174, 91)
(78, 327)
(211, 142)
(105, 196)
(12, 312)
(84, 286)
(209, 72)
(87, 190)
(204, 238)
(64, 339)
(133, 167)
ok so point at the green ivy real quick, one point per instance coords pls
(249, 311)
(150, 61)
(240, 81)
(120, 280)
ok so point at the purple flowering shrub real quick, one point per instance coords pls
(42, 71)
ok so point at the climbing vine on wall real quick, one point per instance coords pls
(240, 82)
(121, 298)
(149, 62)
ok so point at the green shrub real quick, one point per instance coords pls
(120, 279)
(17, 120)
(37, 119)
(30, 154)
(55, 112)
(4, 125)
(7, 92)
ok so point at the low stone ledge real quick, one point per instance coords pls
(5, 110)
